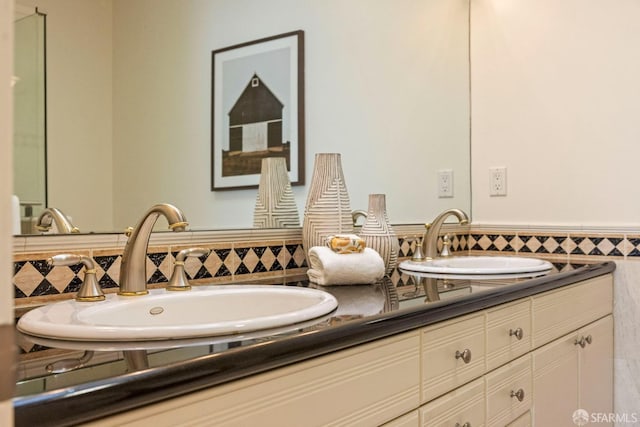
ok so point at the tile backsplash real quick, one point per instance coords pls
(35, 281)
(277, 254)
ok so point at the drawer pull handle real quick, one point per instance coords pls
(518, 394)
(465, 355)
(467, 424)
(583, 341)
(518, 333)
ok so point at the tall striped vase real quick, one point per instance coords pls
(378, 233)
(327, 210)
(275, 204)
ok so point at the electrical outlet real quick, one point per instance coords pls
(445, 183)
(498, 181)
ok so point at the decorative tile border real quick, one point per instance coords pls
(36, 282)
(560, 244)
(265, 256)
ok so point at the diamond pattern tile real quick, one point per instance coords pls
(108, 270)
(33, 277)
(634, 246)
(597, 246)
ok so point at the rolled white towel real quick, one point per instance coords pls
(330, 268)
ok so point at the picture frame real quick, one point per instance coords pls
(257, 110)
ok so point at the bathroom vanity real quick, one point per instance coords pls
(527, 352)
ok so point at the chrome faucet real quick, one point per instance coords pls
(430, 240)
(133, 278)
(90, 289)
(50, 215)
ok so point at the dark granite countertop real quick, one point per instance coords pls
(365, 313)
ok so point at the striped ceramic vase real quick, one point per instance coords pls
(327, 210)
(275, 204)
(378, 233)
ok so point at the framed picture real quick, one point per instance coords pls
(257, 110)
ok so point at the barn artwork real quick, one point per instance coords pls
(255, 131)
(257, 110)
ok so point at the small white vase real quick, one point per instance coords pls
(378, 233)
(275, 205)
(327, 210)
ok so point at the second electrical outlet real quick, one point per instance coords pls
(445, 183)
(498, 181)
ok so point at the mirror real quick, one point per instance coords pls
(129, 103)
(29, 85)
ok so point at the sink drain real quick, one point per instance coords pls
(156, 310)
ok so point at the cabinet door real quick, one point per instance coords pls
(453, 353)
(508, 333)
(555, 383)
(509, 392)
(596, 367)
(464, 406)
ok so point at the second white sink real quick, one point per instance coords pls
(203, 311)
(481, 266)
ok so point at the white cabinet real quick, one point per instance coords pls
(533, 361)
(574, 372)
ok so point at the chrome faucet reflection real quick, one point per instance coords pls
(133, 279)
(51, 215)
(430, 240)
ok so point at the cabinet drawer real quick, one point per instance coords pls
(523, 421)
(463, 405)
(508, 333)
(509, 392)
(363, 386)
(453, 354)
(562, 311)
(412, 419)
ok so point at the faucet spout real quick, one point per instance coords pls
(50, 215)
(133, 278)
(430, 240)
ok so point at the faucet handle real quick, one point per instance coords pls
(418, 256)
(90, 289)
(446, 243)
(191, 252)
(179, 280)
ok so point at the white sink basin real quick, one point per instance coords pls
(161, 315)
(480, 267)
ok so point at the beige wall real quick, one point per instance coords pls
(555, 93)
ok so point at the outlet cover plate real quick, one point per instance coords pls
(498, 181)
(445, 183)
